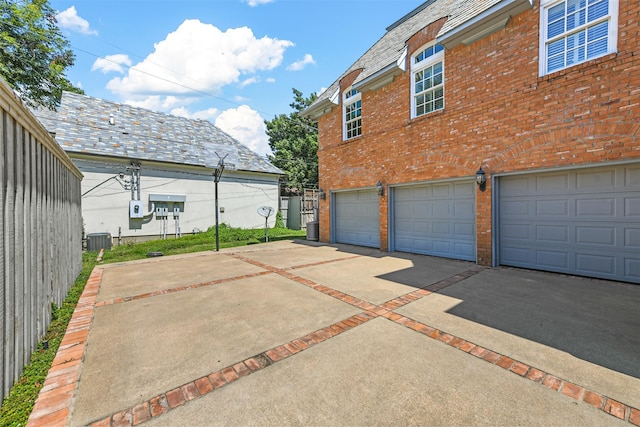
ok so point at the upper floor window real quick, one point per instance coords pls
(427, 71)
(352, 107)
(575, 31)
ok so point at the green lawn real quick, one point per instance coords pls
(17, 406)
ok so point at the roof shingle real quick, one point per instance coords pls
(81, 125)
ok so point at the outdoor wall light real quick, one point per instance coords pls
(112, 119)
(322, 194)
(380, 189)
(481, 179)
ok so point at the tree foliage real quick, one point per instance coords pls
(294, 143)
(33, 52)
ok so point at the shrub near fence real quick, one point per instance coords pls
(40, 231)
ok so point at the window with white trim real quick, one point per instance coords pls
(352, 108)
(427, 89)
(576, 31)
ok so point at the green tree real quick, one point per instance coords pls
(294, 143)
(33, 52)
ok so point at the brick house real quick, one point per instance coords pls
(543, 96)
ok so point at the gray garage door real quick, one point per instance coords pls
(436, 219)
(584, 222)
(357, 218)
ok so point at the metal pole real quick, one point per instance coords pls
(217, 229)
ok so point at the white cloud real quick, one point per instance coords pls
(112, 63)
(245, 125)
(199, 57)
(69, 20)
(254, 3)
(208, 114)
(300, 64)
(270, 80)
(159, 103)
(250, 81)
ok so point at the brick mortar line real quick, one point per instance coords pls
(179, 289)
(271, 268)
(217, 281)
(314, 264)
(604, 403)
(177, 397)
(608, 405)
(424, 291)
(200, 387)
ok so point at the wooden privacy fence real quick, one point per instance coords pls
(297, 211)
(40, 231)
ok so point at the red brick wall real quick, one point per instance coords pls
(498, 114)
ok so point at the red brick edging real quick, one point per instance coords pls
(54, 401)
(52, 408)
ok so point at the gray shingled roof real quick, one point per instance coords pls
(391, 45)
(81, 125)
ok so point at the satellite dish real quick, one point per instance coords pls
(265, 211)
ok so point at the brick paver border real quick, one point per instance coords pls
(54, 402)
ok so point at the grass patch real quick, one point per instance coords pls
(17, 406)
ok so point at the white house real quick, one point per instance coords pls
(150, 174)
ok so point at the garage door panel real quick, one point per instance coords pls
(632, 207)
(463, 209)
(464, 230)
(552, 208)
(422, 245)
(553, 183)
(515, 232)
(435, 219)
(604, 236)
(584, 222)
(515, 186)
(357, 218)
(514, 208)
(553, 259)
(464, 250)
(632, 238)
(598, 264)
(596, 207)
(442, 228)
(464, 189)
(516, 256)
(632, 269)
(632, 176)
(442, 210)
(590, 180)
(552, 233)
(441, 190)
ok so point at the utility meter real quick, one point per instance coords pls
(136, 209)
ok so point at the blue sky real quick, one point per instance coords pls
(233, 62)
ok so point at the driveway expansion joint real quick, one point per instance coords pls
(46, 414)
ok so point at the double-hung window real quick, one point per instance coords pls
(352, 109)
(427, 71)
(575, 31)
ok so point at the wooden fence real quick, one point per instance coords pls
(297, 211)
(40, 231)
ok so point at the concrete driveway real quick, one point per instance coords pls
(300, 333)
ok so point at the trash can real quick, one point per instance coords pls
(97, 241)
(313, 231)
